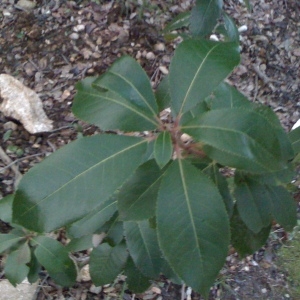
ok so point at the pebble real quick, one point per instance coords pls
(95, 289)
(159, 47)
(74, 36)
(164, 70)
(243, 28)
(10, 125)
(150, 56)
(79, 27)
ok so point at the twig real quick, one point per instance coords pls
(183, 292)
(6, 159)
(266, 80)
(12, 163)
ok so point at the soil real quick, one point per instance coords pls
(57, 43)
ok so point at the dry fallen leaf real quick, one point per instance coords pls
(23, 104)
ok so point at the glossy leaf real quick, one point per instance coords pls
(222, 185)
(191, 76)
(192, 225)
(180, 21)
(228, 29)
(8, 240)
(233, 137)
(75, 179)
(253, 204)
(6, 208)
(143, 247)
(93, 220)
(284, 208)
(294, 137)
(107, 262)
(34, 268)
(15, 268)
(243, 239)
(136, 281)
(163, 148)
(162, 94)
(83, 243)
(137, 197)
(127, 79)
(55, 258)
(204, 17)
(109, 110)
(227, 96)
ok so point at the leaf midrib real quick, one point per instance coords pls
(82, 173)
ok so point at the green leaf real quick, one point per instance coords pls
(253, 204)
(294, 137)
(6, 208)
(93, 220)
(80, 244)
(129, 81)
(228, 29)
(227, 96)
(114, 230)
(196, 111)
(15, 268)
(222, 185)
(204, 17)
(34, 268)
(137, 197)
(71, 182)
(143, 247)
(191, 76)
(232, 32)
(107, 262)
(163, 148)
(109, 110)
(192, 224)
(162, 94)
(180, 21)
(284, 208)
(233, 137)
(244, 240)
(55, 258)
(136, 281)
(8, 240)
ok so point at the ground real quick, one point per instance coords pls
(53, 45)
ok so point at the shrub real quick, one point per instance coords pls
(159, 190)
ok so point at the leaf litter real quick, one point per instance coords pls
(53, 44)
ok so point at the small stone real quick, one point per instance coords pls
(159, 47)
(156, 290)
(213, 37)
(74, 36)
(150, 56)
(164, 70)
(26, 4)
(243, 28)
(264, 291)
(6, 13)
(95, 289)
(10, 126)
(79, 27)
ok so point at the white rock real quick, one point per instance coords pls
(23, 291)
(150, 56)
(23, 104)
(213, 37)
(243, 28)
(74, 36)
(159, 47)
(164, 70)
(26, 4)
(296, 125)
(79, 27)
